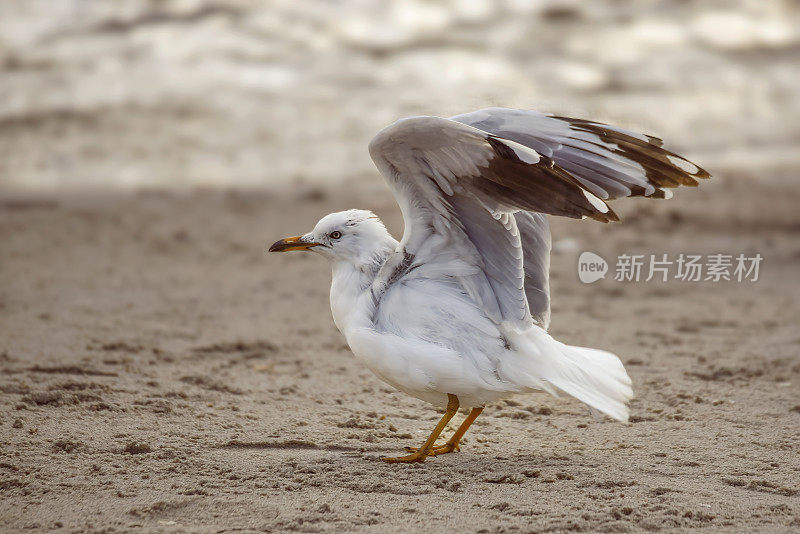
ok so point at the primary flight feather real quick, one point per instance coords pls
(457, 312)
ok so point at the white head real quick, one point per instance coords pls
(354, 236)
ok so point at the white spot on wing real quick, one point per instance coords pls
(525, 154)
(596, 202)
(682, 164)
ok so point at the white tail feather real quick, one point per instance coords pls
(592, 376)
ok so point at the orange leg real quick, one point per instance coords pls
(452, 443)
(422, 453)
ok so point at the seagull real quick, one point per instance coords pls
(456, 313)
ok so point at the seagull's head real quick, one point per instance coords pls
(352, 235)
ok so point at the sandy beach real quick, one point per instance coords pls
(161, 372)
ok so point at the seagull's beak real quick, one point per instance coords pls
(291, 243)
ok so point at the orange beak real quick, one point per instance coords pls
(291, 243)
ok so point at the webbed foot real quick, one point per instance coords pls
(437, 450)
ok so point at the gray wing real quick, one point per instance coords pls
(609, 161)
(534, 232)
(459, 189)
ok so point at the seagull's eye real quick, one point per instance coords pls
(335, 235)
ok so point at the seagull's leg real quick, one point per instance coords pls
(452, 443)
(423, 452)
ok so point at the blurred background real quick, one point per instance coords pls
(177, 93)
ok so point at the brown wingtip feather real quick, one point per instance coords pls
(607, 217)
(658, 163)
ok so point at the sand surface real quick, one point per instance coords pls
(161, 372)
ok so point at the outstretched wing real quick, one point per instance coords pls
(458, 188)
(461, 189)
(609, 161)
